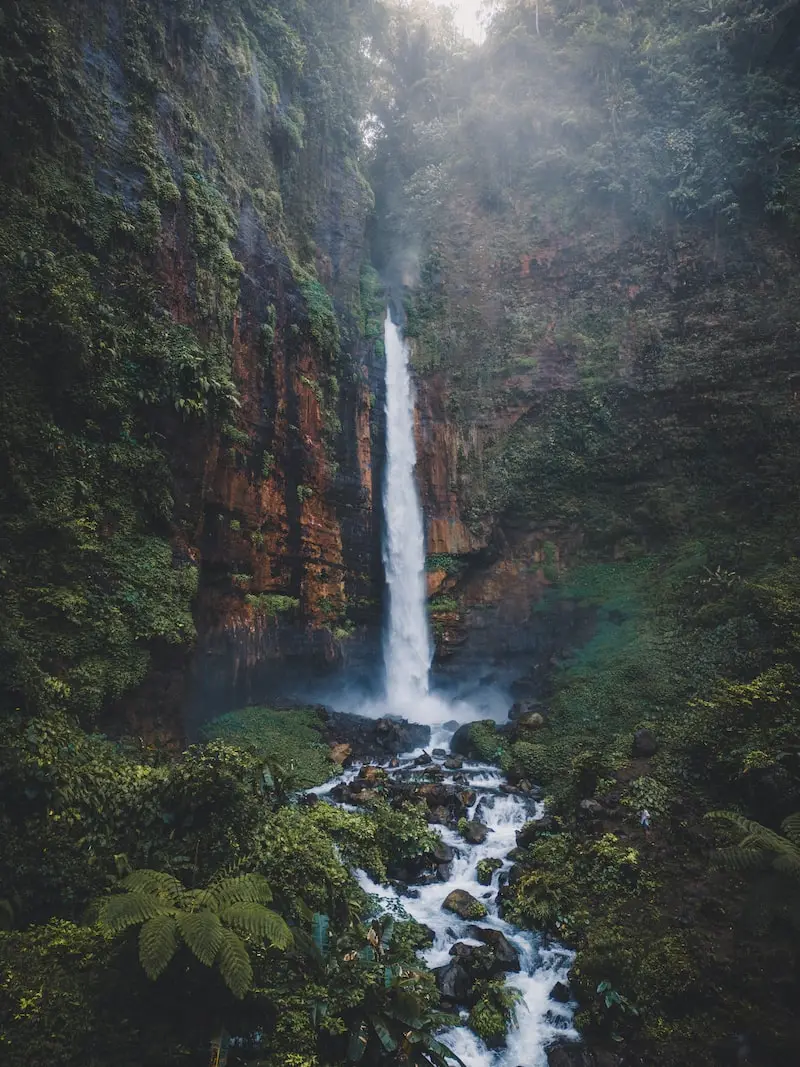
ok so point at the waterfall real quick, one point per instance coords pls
(407, 647)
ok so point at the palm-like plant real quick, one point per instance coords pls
(761, 848)
(773, 862)
(213, 922)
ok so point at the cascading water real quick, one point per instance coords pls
(407, 659)
(407, 647)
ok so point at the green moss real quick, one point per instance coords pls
(271, 604)
(291, 738)
(486, 869)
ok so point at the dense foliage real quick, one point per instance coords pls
(598, 214)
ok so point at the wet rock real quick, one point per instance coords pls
(341, 753)
(372, 774)
(518, 855)
(486, 869)
(440, 816)
(435, 794)
(461, 779)
(430, 935)
(590, 807)
(439, 753)
(474, 832)
(364, 796)
(454, 763)
(531, 830)
(373, 740)
(454, 982)
(443, 853)
(504, 956)
(423, 760)
(461, 742)
(444, 872)
(645, 743)
(309, 799)
(466, 797)
(464, 904)
(560, 993)
(451, 724)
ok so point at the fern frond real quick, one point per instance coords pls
(203, 933)
(243, 888)
(158, 943)
(738, 858)
(234, 964)
(788, 863)
(122, 910)
(791, 827)
(258, 921)
(158, 883)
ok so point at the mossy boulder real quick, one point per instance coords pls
(464, 905)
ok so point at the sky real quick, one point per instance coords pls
(467, 16)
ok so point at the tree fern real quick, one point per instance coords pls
(158, 943)
(130, 909)
(202, 932)
(243, 888)
(234, 964)
(760, 847)
(258, 921)
(209, 921)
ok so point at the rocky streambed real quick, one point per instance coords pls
(457, 894)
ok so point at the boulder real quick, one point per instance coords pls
(560, 993)
(451, 724)
(444, 872)
(504, 956)
(372, 774)
(532, 721)
(423, 760)
(461, 743)
(439, 753)
(443, 853)
(645, 743)
(454, 763)
(454, 982)
(341, 753)
(464, 904)
(486, 869)
(591, 807)
(522, 707)
(474, 832)
(477, 960)
(528, 834)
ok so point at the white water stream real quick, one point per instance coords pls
(407, 656)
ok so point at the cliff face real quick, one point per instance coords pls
(194, 173)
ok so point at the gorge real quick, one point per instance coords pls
(551, 497)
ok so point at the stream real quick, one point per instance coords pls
(540, 1019)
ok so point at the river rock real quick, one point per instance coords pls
(477, 960)
(461, 743)
(439, 753)
(451, 724)
(423, 760)
(454, 982)
(645, 743)
(464, 904)
(505, 957)
(443, 853)
(474, 832)
(341, 753)
(528, 833)
(454, 763)
(560, 993)
(372, 774)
